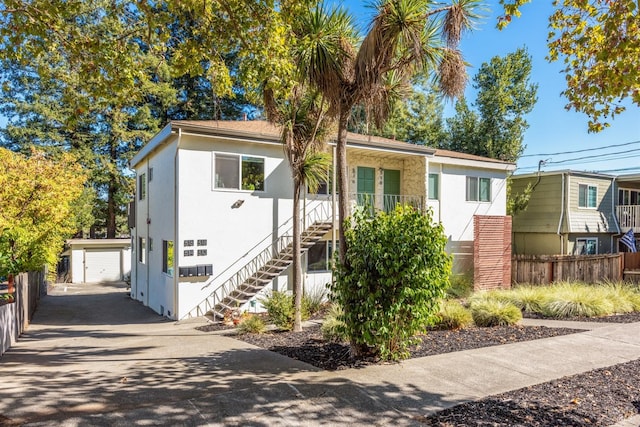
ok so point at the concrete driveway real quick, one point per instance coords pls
(93, 356)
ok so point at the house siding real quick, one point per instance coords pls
(535, 230)
(545, 205)
(591, 220)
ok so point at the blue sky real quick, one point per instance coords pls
(552, 128)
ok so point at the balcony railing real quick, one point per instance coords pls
(386, 202)
(628, 217)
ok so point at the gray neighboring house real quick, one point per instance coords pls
(570, 212)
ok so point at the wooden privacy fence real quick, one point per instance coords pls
(543, 269)
(15, 317)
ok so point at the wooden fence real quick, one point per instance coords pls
(543, 269)
(15, 317)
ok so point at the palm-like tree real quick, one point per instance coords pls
(406, 38)
(305, 127)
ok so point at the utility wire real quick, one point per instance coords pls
(584, 150)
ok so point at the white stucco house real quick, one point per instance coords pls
(211, 221)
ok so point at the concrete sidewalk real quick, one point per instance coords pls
(93, 356)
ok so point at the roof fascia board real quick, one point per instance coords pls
(233, 137)
(196, 130)
(380, 147)
(564, 172)
(474, 163)
(155, 142)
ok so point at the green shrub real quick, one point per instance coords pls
(575, 299)
(453, 315)
(314, 301)
(395, 274)
(491, 312)
(529, 299)
(333, 328)
(460, 286)
(252, 325)
(280, 308)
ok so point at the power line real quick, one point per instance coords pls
(588, 159)
(584, 150)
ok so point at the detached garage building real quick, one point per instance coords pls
(99, 260)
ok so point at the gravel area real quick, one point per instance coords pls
(598, 398)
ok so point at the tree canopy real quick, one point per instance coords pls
(99, 78)
(36, 194)
(598, 42)
(505, 96)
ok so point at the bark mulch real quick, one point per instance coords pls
(308, 345)
(597, 398)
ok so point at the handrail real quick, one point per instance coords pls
(386, 202)
(267, 237)
(322, 212)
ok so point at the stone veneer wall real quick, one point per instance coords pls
(413, 172)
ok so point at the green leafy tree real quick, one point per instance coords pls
(462, 131)
(598, 42)
(404, 40)
(36, 195)
(505, 96)
(114, 72)
(397, 273)
(416, 119)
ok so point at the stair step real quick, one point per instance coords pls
(269, 271)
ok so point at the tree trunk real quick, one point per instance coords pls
(111, 193)
(111, 209)
(343, 177)
(297, 267)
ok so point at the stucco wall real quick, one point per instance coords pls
(455, 213)
(155, 222)
(234, 234)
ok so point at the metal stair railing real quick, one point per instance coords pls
(320, 213)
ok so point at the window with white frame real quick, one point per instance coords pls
(167, 257)
(319, 256)
(142, 186)
(237, 172)
(434, 186)
(142, 246)
(628, 197)
(478, 189)
(587, 196)
(586, 246)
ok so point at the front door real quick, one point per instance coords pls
(366, 186)
(391, 189)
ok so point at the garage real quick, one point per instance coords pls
(102, 265)
(99, 260)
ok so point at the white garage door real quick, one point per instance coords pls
(102, 265)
